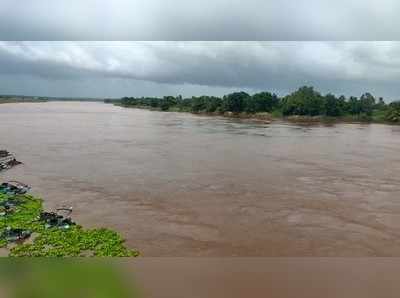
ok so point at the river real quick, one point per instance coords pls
(176, 184)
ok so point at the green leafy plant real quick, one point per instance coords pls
(55, 242)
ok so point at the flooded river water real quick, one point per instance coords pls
(176, 184)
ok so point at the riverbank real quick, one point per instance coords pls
(304, 104)
(12, 100)
(267, 118)
(24, 218)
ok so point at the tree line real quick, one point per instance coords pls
(303, 102)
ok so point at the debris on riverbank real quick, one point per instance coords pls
(26, 230)
(7, 160)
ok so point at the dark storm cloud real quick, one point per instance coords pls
(150, 68)
(200, 20)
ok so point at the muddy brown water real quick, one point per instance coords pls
(176, 184)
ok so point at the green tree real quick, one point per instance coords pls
(167, 102)
(304, 101)
(154, 102)
(367, 103)
(207, 104)
(235, 102)
(262, 102)
(333, 106)
(343, 103)
(197, 104)
(380, 105)
(213, 104)
(353, 106)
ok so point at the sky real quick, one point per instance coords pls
(336, 46)
(199, 20)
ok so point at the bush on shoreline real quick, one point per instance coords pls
(393, 113)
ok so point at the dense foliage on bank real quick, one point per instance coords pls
(304, 102)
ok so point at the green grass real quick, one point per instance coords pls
(379, 116)
(277, 113)
(65, 278)
(56, 242)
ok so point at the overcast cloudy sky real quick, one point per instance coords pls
(199, 20)
(324, 54)
(115, 69)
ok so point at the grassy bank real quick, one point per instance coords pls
(55, 242)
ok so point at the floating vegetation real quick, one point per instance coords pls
(25, 231)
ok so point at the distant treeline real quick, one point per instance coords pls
(20, 98)
(303, 102)
(27, 98)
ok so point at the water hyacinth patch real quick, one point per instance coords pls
(55, 242)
